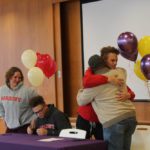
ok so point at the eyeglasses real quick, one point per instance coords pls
(37, 112)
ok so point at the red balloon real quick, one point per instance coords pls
(53, 68)
(46, 63)
(127, 42)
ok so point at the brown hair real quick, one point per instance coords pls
(96, 62)
(10, 73)
(107, 50)
(37, 100)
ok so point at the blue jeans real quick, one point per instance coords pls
(96, 130)
(119, 135)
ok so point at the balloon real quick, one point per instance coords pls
(53, 68)
(46, 63)
(35, 76)
(29, 58)
(127, 42)
(137, 70)
(131, 57)
(144, 46)
(145, 66)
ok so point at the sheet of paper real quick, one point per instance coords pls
(50, 139)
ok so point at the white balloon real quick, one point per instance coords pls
(35, 76)
(29, 58)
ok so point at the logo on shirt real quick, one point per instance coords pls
(10, 98)
(48, 126)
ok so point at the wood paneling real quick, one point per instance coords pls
(2, 126)
(143, 112)
(71, 54)
(60, 1)
(26, 24)
(58, 56)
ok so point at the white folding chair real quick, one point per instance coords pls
(73, 133)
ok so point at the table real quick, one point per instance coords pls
(31, 142)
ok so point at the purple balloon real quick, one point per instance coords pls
(131, 57)
(145, 66)
(127, 42)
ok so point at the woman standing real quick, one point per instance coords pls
(14, 102)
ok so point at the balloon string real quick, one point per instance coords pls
(148, 87)
(129, 66)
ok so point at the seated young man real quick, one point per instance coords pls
(50, 120)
